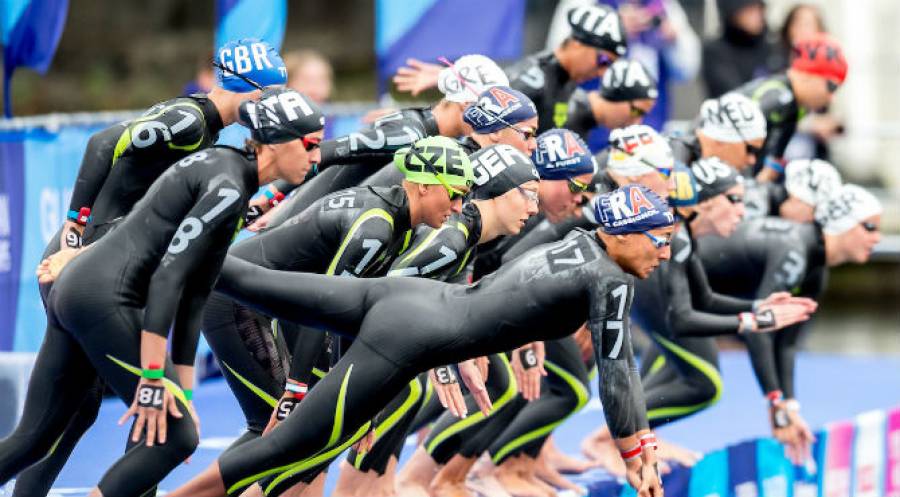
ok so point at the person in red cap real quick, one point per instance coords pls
(818, 68)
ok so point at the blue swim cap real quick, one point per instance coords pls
(631, 209)
(497, 108)
(561, 154)
(251, 58)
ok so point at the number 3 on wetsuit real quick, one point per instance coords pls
(191, 227)
(613, 348)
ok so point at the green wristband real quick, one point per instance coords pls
(153, 374)
(188, 394)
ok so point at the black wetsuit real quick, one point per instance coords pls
(543, 79)
(360, 154)
(545, 294)
(779, 105)
(154, 273)
(120, 163)
(677, 308)
(763, 256)
(354, 232)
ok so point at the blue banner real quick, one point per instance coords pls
(428, 29)
(31, 31)
(12, 166)
(263, 19)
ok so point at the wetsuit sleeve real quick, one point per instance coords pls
(438, 254)
(705, 298)
(621, 392)
(189, 315)
(781, 119)
(684, 319)
(207, 226)
(373, 145)
(783, 271)
(95, 167)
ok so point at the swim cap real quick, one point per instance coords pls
(280, 115)
(713, 177)
(638, 150)
(496, 108)
(600, 27)
(432, 156)
(732, 118)
(845, 208)
(498, 169)
(627, 80)
(631, 209)
(468, 77)
(685, 192)
(251, 58)
(820, 55)
(561, 154)
(811, 180)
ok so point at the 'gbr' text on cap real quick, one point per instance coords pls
(244, 58)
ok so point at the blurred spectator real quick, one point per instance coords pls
(204, 80)
(818, 128)
(743, 51)
(801, 21)
(310, 73)
(659, 37)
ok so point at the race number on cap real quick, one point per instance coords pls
(811, 180)
(847, 207)
(468, 77)
(600, 27)
(638, 150)
(627, 80)
(732, 118)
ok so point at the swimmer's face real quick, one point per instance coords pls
(637, 253)
(516, 206)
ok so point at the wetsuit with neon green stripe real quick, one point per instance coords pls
(153, 273)
(551, 288)
(681, 313)
(778, 103)
(119, 165)
(353, 232)
(441, 254)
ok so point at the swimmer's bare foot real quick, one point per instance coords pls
(594, 446)
(563, 462)
(546, 472)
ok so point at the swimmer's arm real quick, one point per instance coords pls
(708, 300)
(683, 318)
(186, 254)
(95, 167)
(621, 392)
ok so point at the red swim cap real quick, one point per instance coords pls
(820, 55)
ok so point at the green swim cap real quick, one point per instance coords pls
(435, 160)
